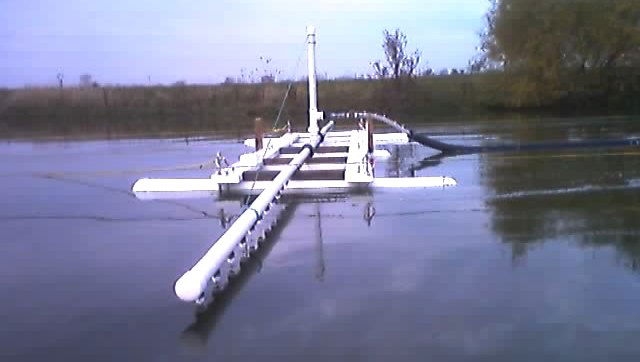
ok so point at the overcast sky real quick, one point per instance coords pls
(204, 41)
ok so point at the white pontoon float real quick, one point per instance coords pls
(319, 159)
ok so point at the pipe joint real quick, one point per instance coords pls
(310, 147)
(258, 213)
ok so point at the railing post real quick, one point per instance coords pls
(259, 130)
(369, 126)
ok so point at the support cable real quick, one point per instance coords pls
(277, 120)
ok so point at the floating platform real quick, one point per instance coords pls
(343, 161)
(316, 160)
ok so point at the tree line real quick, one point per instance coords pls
(552, 51)
(541, 53)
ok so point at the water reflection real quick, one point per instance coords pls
(590, 198)
(427, 162)
(369, 213)
(224, 218)
(194, 338)
(398, 165)
(320, 264)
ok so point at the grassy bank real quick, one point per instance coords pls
(187, 109)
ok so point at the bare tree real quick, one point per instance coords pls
(399, 63)
(60, 77)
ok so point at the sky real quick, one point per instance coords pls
(205, 41)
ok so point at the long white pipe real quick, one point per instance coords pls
(314, 115)
(192, 284)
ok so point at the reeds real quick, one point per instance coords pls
(120, 110)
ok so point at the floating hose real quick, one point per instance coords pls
(449, 148)
(458, 149)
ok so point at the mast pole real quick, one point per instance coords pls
(314, 115)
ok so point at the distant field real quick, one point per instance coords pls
(114, 111)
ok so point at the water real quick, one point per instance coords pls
(533, 256)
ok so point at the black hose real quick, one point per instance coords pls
(441, 146)
(459, 149)
(449, 148)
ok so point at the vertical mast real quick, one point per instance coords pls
(314, 115)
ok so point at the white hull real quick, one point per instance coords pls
(185, 185)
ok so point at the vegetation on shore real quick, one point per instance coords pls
(225, 107)
(545, 56)
(557, 52)
(186, 109)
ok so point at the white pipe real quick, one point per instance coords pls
(314, 115)
(378, 117)
(192, 284)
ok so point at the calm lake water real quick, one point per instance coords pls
(533, 256)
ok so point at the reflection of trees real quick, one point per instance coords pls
(590, 198)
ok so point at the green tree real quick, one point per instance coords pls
(545, 44)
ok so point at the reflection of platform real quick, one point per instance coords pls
(302, 213)
(342, 162)
(194, 337)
